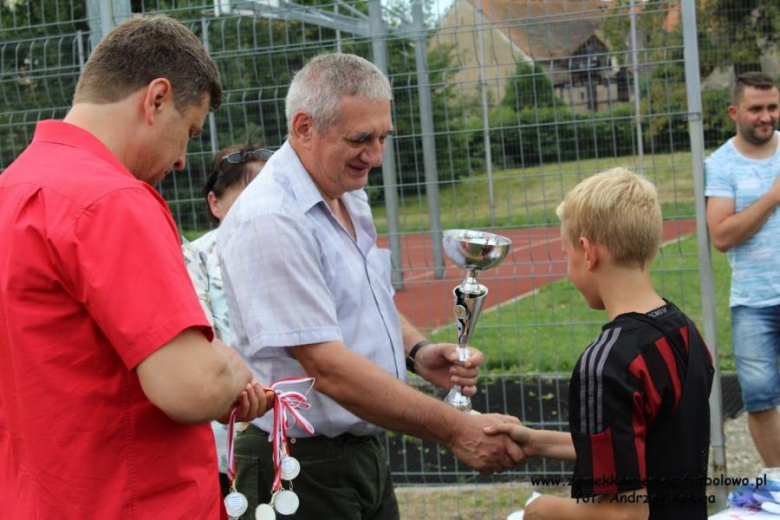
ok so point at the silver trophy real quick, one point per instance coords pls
(473, 251)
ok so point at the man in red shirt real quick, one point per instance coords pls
(106, 361)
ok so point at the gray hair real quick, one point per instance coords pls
(318, 87)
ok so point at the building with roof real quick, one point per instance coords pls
(563, 37)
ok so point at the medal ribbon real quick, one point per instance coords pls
(231, 459)
(287, 406)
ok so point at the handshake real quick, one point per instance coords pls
(493, 443)
(490, 443)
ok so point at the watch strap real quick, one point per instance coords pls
(413, 353)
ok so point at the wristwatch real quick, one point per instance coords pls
(413, 353)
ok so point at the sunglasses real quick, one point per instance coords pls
(261, 154)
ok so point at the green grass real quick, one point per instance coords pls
(191, 235)
(530, 196)
(546, 332)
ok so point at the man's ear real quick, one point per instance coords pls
(302, 127)
(733, 113)
(157, 96)
(591, 253)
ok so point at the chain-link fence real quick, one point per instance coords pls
(500, 107)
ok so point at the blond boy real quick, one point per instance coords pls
(638, 403)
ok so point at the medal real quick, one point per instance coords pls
(265, 512)
(287, 406)
(290, 468)
(286, 502)
(236, 504)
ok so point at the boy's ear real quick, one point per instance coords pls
(591, 253)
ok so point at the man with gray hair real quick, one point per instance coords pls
(309, 293)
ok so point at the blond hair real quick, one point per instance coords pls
(618, 210)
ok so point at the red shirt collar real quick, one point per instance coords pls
(68, 134)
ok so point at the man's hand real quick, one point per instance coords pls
(486, 453)
(438, 363)
(252, 403)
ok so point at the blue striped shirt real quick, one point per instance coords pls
(755, 263)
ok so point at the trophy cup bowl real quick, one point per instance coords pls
(473, 251)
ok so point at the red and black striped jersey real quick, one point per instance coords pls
(639, 413)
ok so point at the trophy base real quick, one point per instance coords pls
(458, 401)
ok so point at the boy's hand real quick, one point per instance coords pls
(522, 435)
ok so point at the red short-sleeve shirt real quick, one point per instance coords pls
(92, 281)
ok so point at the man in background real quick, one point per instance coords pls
(743, 192)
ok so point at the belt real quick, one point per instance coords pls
(344, 438)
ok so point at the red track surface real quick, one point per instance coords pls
(535, 259)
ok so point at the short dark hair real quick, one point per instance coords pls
(753, 79)
(225, 174)
(143, 49)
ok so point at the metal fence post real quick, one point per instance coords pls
(428, 138)
(637, 94)
(485, 119)
(104, 15)
(389, 175)
(696, 129)
(213, 137)
(80, 50)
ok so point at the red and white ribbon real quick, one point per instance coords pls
(231, 459)
(287, 413)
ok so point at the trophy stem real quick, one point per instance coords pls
(456, 399)
(473, 251)
(469, 297)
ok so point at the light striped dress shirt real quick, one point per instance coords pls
(294, 276)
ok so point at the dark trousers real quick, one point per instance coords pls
(344, 478)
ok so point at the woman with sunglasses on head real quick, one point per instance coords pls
(231, 171)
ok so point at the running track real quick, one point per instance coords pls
(535, 259)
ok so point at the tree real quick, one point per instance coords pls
(745, 30)
(664, 101)
(529, 87)
(40, 63)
